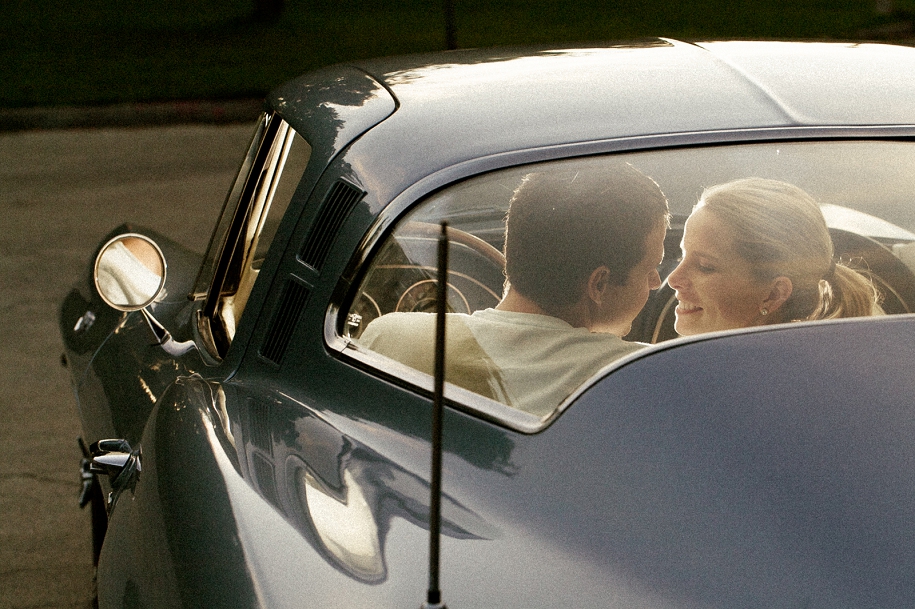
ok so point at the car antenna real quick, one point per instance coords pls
(434, 594)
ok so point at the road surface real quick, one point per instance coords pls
(60, 193)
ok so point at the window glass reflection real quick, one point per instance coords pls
(863, 191)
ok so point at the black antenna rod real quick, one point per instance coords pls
(434, 595)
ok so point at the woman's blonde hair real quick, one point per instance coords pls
(780, 230)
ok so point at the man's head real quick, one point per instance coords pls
(562, 227)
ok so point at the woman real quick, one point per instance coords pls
(757, 251)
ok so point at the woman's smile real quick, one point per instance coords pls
(686, 309)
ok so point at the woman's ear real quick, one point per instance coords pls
(780, 290)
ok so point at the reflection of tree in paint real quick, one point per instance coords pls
(350, 509)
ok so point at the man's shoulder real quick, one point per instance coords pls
(399, 324)
(517, 319)
(409, 319)
(406, 327)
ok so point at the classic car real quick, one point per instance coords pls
(249, 450)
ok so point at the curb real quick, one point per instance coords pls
(131, 115)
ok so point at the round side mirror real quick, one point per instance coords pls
(130, 272)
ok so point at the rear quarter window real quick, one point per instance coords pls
(863, 190)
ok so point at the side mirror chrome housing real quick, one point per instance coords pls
(129, 272)
(129, 275)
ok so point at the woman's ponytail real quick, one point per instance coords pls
(846, 292)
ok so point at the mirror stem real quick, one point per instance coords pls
(164, 338)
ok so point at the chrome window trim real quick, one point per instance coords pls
(517, 420)
(254, 205)
(216, 243)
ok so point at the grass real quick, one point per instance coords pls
(66, 52)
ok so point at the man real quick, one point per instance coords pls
(581, 257)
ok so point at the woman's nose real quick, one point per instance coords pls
(675, 279)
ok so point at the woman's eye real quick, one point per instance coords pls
(704, 268)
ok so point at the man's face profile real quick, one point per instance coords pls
(624, 302)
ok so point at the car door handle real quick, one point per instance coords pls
(116, 459)
(110, 464)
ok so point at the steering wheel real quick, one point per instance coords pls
(426, 231)
(403, 275)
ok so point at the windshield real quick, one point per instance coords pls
(255, 206)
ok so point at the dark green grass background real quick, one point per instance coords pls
(56, 52)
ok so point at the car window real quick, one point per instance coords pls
(257, 203)
(232, 202)
(864, 190)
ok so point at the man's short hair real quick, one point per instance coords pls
(561, 226)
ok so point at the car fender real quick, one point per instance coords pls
(172, 538)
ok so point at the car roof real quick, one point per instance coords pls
(661, 86)
(416, 114)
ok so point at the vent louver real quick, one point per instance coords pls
(264, 474)
(293, 300)
(259, 425)
(337, 204)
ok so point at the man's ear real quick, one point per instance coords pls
(598, 284)
(780, 290)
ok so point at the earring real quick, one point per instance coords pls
(764, 311)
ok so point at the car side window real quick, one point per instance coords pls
(276, 164)
(863, 191)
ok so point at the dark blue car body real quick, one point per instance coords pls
(284, 466)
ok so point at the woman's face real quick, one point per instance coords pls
(714, 284)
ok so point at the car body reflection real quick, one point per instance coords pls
(342, 497)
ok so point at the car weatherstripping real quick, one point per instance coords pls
(338, 399)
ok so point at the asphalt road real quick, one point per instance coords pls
(60, 193)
